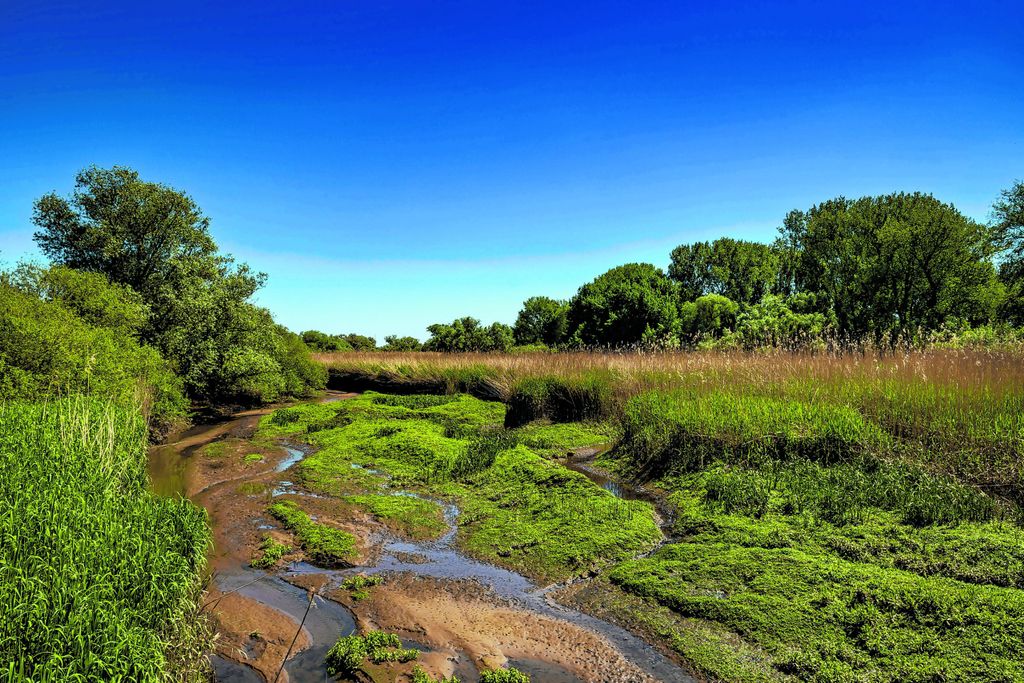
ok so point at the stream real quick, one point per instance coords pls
(169, 469)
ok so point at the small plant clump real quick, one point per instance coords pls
(420, 675)
(358, 584)
(509, 675)
(271, 552)
(346, 656)
(325, 546)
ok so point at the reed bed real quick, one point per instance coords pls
(953, 411)
(99, 579)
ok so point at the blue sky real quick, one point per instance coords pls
(392, 164)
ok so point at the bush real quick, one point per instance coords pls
(46, 349)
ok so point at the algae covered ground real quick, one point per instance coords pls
(518, 508)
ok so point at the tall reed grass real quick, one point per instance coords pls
(99, 579)
(955, 411)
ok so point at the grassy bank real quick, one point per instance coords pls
(838, 517)
(99, 579)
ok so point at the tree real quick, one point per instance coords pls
(774, 322)
(709, 317)
(141, 234)
(155, 240)
(542, 320)
(737, 269)
(1009, 235)
(360, 342)
(630, 304)
(91, 296)
(327, 343)
(396, 343)
(499, 337)
(895, 263)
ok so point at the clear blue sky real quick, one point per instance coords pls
(392, 164)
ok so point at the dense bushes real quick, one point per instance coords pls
(99, 577)
(46, 348)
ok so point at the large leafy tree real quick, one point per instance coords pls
(895, 263)
(141, 234)
(154, 240)
(542, 320)
(628, 305)
(1009, 234)
(736, 269)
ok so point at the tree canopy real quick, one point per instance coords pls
(628, 305)
(542, 320)
(194, 308)
(895, 263)
(736, 269)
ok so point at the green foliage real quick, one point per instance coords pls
(91, 296)
(321, 341)
(346, 656)
(270, 552)
(466, 334)
(773, 323)
(46, 349)
(895, 263)
(709, 317)
(325, 546)
(542, 320)
(634, 304)
(395, 343)
(100, 578)
(154, 240)
(509, 675)
(360, 342)
(1009, 235)
(739, 270)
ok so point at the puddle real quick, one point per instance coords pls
(325, 622)
(294, 456)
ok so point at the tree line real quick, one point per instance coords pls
(138, 303)
(902, 266)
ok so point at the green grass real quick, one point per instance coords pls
(558, 439)
(818, 542)
(547, 522)
(325, 546)
(99, 579)
(415, 517)
(824, 618)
